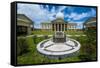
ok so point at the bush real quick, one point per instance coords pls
(35, 39)
(22, 46)
(91, 35)
(84, 58)
(45, 36)
(88, 47)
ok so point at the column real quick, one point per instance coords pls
(64, 27)
(51, 27)
(54, 27)
(71, 27)
(61, 27)
(57, 27)
(28, 30)
(74, 27)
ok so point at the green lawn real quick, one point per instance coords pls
(42, 32)
(73, 32)
(34, 57)
(49, 32)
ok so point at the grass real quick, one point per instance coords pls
(73, 32)
(49, 32)
(42, 32)
(34, 57)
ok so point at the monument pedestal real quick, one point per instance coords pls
(59, 37)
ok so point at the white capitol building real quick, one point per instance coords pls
(59, 24)
(59, 46)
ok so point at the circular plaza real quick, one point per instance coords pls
(58, 50)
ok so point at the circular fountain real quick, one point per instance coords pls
(59, 46)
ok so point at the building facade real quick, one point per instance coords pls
(71, 26)
(24, 25)
(90, 23)
(46, 25)
(58, 24)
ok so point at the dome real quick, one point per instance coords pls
(59, 15)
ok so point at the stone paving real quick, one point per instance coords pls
(53, 49)
(52, 35)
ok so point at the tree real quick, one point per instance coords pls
(89, 46)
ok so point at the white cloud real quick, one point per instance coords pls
(61, 8)
(81, 16)
(60, 14)
(53, 10)
(30, 10)
(39, 14)
(76, 16)
(68, 19)
(93, 12)
(52, 13)
(34, 12)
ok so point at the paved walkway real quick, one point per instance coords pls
(58, 49)
(52, 35)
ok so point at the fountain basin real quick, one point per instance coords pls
(58, 50)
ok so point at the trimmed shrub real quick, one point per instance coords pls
(45, 36)
(35, 39)
(22, 46)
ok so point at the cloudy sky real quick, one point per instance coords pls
(40, 13)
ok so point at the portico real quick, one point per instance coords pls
(59, 46)
(59, 25)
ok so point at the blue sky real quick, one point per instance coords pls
(41, 13)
